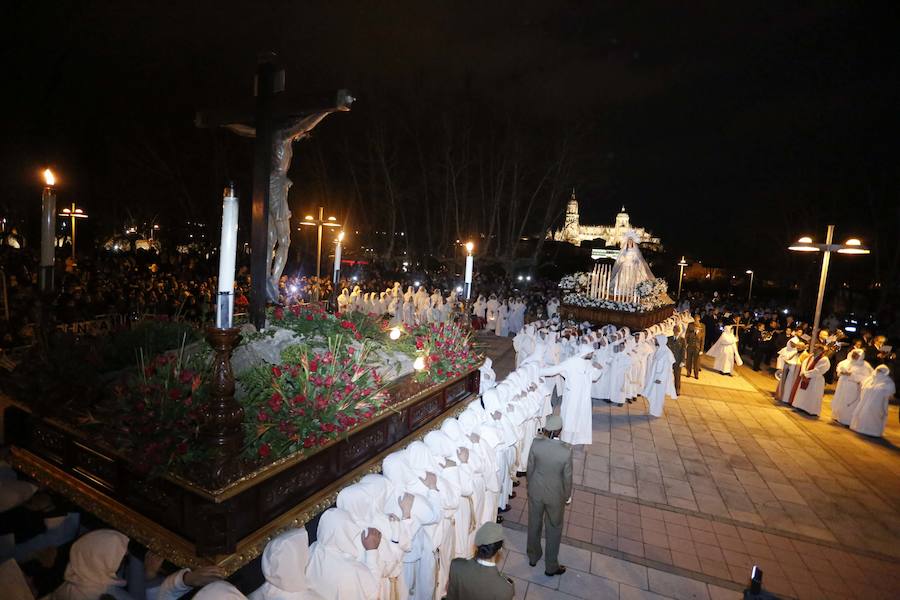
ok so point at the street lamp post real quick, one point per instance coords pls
(73, 213)
(319, 223)
(681, 265)
(750, 293)
(805, 244)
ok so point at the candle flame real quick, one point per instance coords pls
(49, 178)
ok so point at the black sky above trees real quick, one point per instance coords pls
(724, 127)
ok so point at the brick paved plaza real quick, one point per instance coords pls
(682, 506)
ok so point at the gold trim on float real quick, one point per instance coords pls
(267, 471)
(182, 552)
(274, 468)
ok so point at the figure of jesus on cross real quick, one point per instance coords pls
(284, 134)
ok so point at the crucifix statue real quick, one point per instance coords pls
(284, 134)
(275, 129)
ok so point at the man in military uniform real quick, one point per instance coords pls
(549, 489)
(677, 345)
(695, 338)
(478, 578)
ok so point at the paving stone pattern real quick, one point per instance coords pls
(682, 506)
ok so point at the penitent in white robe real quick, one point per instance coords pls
(619, 369)
(789, 374)
(725, 352)
(870, 416)
(851, 374)
(810, 399)
(660, 369)
(602, 374)
(575, 409)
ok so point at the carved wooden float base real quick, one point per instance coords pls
(191, 526)
(633, 321)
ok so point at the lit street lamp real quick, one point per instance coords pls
(319, 223)
(73, 213)
(805, 244)
(750, 293)
(681, 265)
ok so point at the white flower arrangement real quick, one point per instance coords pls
(578, 282)
(652, 294)
(585, 301)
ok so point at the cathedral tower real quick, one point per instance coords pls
(571, 227)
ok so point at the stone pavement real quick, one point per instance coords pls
(684, 505)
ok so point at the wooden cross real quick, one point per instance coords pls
(275, 123)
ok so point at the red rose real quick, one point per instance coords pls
(276, 372)
(309, 317)
(313, 366)
(309, 441)
(262, 416)
(181, 448)
(264, 450)
(175, 394)
(275, 402)
(279, 313)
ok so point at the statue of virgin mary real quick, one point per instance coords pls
(630, 267)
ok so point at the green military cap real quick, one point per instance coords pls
(489, 533)
(554, 423)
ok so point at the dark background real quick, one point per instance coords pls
(726, 128)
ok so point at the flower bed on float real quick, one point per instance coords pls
(323, 398)
(303, 382)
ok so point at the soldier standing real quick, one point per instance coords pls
(695, 338)
(478, 578)
(549, 489)
(677, 345)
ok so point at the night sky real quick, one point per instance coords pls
(724, 127)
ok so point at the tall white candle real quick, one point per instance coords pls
(227, 255)
(605, 283)
(337, 257)
(48, 226)
(470, 265)
(228, 246)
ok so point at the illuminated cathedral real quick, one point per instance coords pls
(574, 232)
